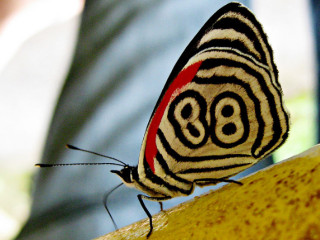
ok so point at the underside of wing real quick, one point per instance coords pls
(221, 109)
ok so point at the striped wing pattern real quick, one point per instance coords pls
(220, 112)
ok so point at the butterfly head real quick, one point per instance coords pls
(126, 174)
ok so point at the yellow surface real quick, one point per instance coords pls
(281, 202)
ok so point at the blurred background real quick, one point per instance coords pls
(35, 57)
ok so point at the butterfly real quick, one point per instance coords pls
(220, 112)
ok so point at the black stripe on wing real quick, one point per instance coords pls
(180, 158)
(239, 27)
(160, 182)
(168, 172)
(214, 169)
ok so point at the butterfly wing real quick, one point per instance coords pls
(221, 109)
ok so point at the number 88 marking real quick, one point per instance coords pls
(229, 120)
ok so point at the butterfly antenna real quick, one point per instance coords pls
(46, 165)
(97, 154)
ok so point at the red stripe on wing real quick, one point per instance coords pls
(183, 78)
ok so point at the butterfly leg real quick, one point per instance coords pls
(156, 199)
(161, 206)
(206, 181)
(105, 199)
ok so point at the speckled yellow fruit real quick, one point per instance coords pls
(281, 202)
